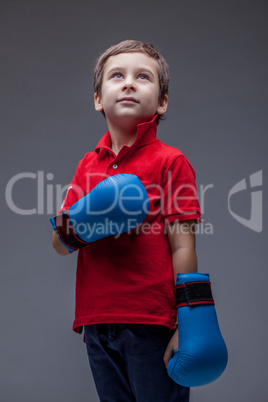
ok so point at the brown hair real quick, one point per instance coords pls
(129, 46)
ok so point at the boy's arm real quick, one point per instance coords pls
(202, 356)
(58, 246)
(181, 237)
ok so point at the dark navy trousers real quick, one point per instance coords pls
(127, 364)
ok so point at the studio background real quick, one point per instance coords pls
(217, 116)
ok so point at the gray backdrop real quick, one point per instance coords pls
(217, 116)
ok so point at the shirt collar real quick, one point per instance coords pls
(146, 133)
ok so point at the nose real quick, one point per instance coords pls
(129, 83)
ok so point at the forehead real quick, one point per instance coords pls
(133, 60)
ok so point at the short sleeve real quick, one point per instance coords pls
(179, 196)
(74, 192)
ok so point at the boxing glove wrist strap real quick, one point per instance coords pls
(66, 232)
(193, 293)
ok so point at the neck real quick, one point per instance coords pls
(122, 135)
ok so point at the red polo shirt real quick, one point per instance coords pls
(129, 278)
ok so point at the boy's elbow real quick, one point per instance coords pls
(58, 246)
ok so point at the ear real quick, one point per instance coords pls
(162, 106)
(97, 101)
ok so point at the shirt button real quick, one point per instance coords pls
(115, 166)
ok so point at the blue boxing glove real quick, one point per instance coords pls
(116, 205)
(202, 355)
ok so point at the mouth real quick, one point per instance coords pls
(128, 99)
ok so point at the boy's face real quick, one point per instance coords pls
(130, 89)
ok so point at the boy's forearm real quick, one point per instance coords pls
(58, 246)
(181, 237)
(184, 260)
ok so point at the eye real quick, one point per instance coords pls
(117, 75)
(143, 76)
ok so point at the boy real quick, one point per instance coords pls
(125, 284)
